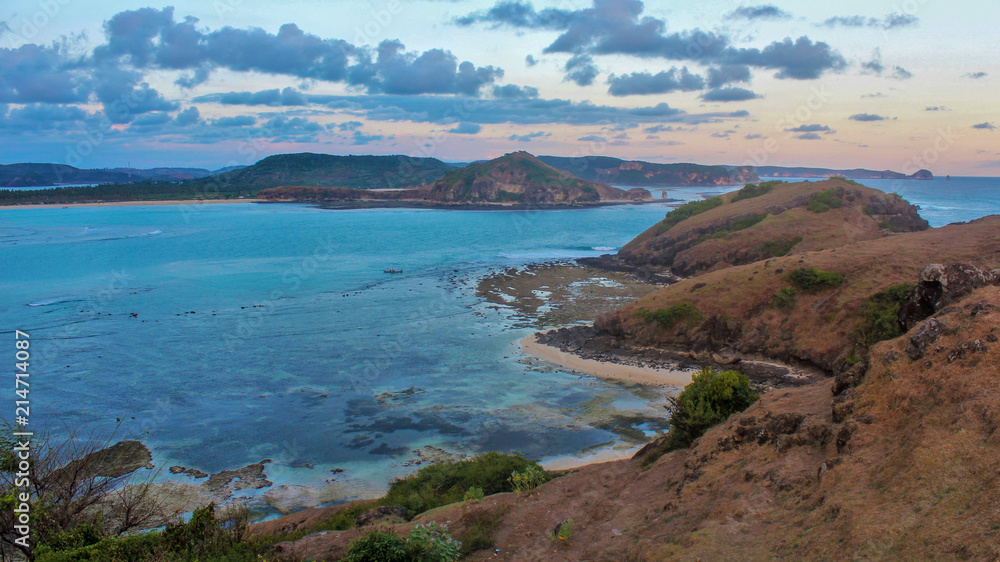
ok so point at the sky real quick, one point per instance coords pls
(897, 84)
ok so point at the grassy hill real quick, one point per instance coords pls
(521, 178)
(636, 172)
(768, 220)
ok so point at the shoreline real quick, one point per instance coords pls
(611, 371)
(132, 203)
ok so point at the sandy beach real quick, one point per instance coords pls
(570, 462)
(612, 371)
(132, 203)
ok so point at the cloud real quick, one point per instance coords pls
(41, 116)
(876, 67)
(729, 94)
(188, 117)
(593, 138)
(432, 72)
(809, 136)
(900, 73)
(581, 69)
(727, 74)
(937, 108)
(275, 97)
(987, 126)
(814, 128)
(39, 74)
(764, 12)
(891, 21)
(359, 138)
(618, 27)
(754, 136)
(867, 117)
(512, 91)
(350, 126)
(237, 121)
(529, 137)
(975, 75)
(644, 83)
(658, 129)
(466, 128)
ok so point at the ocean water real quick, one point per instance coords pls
(222, 335)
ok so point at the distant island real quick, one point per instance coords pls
(857, 173)
(513, 180)
(396, 180)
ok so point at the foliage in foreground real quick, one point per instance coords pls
(687, 211)
(751, 190)
(425, 543)
(710, 399)
(824, 201)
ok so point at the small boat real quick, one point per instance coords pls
(392, 271)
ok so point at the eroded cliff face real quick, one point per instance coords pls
(779, 222)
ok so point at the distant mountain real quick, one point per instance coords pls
(521, 178)
(636, 172)
(857, 173)
(325, 170)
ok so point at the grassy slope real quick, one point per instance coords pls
(689, 249)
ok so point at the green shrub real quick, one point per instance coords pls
(784, 299)
(687, 211)
(710, 399)
(814, 280)
(379, 546)
(563, 532)
(824, 201)
(527, 479)
(890, 226)
(669, 317)
(778, 248)
(474, 494)
(880, 314)
(752, 190)
(444, 483)
(432, 543)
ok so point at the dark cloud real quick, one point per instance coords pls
(581, 69)
(359, 138)
(729, 94)
(658, 129)
(876, 67)
(514, 92)
(275, 97)
(644, 83)
(727, 74)
(190, 116)
(809, 136)
(123, 95)
(530, 61)
(42, 116)
(432, 72)
(237, 121)
(350, 126)
(814, 128)
(466, 128)
(900, 73)
(936, 108)
(764, 12)
(593, 138)
(38, 74)
(618, 27)
(987, 126)
(975, 75)
(754, 136)
(891, 21)
(529, 137)
(867, 117)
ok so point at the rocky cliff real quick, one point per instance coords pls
(649, 174)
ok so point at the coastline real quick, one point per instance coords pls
(132, 203)
(612, 371)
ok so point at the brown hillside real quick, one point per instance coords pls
(783, 220)
(736, 308)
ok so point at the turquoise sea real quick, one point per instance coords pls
(239, 332)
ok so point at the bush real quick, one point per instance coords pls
(824, 201)
(710, 398)
(528, 479)
(687, 211)
(785, 299)
(778, 248)
(881, 315)
(752, 190)
(444, 483)
(669, 317)
(479, 529)
(814, 280)
(378, 546)
(432, 543)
